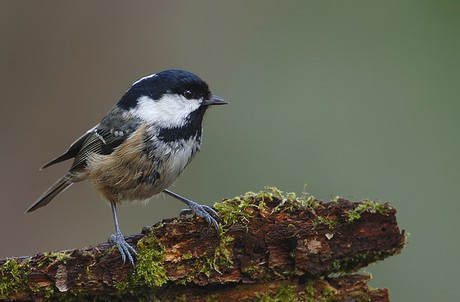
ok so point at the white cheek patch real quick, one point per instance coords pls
(171, 110)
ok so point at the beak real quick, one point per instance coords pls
(214, 100)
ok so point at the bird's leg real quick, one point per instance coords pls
(118, 239)
(201, 210)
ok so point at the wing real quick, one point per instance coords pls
(113, 130)
(101, 141)
(72, 151)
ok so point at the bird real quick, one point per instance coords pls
(141, 146)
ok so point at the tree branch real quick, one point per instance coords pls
(270, 245)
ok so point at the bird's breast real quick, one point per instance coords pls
(171, 158)
(140, 167)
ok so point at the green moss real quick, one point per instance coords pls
(47, 293)
(149, 266)
(51, 293)
(13, 277)
(359, 296)
(149, 271)
(150, 275)
(222, 254)
(328, 292)
(347, 265)
(312, 294)
(257, 271)
(220, 262)
(181, 298)
(336, 267)
(187, 256)
(291, 226)
(331, 223)
(336, 199)
(50, 257)
(285, 293)
(236, 210)
(309, 291)
(243, 208)
(289, 202)
(366, 206)
(350, 216)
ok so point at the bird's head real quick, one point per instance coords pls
(169, 98)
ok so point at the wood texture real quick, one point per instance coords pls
(270, 244)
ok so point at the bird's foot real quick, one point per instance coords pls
(202, 211)
(126, 250)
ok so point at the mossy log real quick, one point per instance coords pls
(271, 247)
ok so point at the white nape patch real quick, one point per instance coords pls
(146, 77)
(171, 110)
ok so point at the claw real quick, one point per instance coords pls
(126, 250)
(185, 212)
(202, 211)
(211, 211)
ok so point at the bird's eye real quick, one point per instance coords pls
(188, 94)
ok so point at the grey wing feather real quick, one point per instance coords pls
(101, 139)
(73, 150)
(113, 130)
(98, 139)
(52, 192)
(95, 140)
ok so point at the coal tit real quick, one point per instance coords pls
(141, 146)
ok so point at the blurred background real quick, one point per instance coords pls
(353, 98)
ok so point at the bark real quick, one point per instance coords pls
(270, 246)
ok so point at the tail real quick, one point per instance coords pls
(52, 192)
